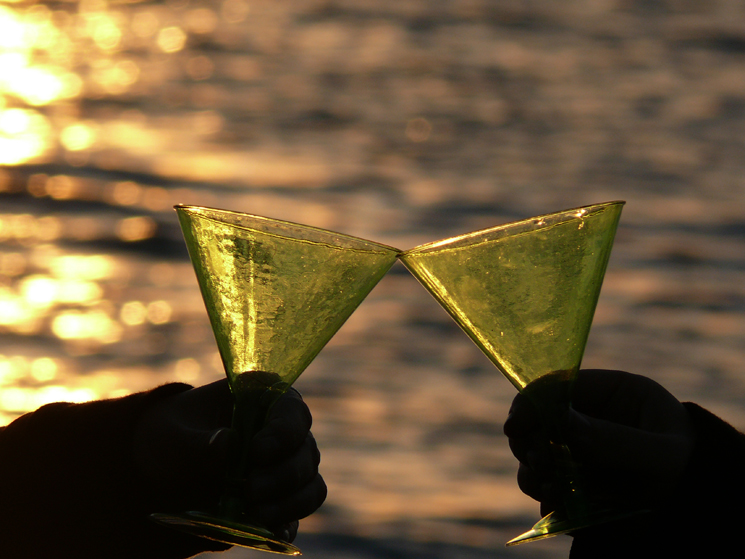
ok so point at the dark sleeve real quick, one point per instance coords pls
(700, 520)
(68, 487)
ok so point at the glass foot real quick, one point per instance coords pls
(221, 530)
(555, 524)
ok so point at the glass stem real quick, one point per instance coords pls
(568, 478)
(247, 420)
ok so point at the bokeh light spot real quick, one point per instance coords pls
(37, 86)
(171, 39)
(235, 11)
(21, 226)
(145, 24)
(24, 135)
(93, 267)
(201, 20)
(95, 325)
(105, 33)
(126, 193)
(159, 312)
(77, 137)
(8, 374)
(37, 184)
(200, 68)
(418, 130)
(72, 86)
(12, 312)
(62, 187)
(39, 291)
(44, 369)
(133, 313)
(14, 121)
(134, 229)
(187, 370)
(79, 292)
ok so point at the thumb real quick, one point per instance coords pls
(210, 451)
(605, 444)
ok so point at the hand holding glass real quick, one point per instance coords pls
(526, 293)
(276, 292)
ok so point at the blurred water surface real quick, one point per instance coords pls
(401, 121)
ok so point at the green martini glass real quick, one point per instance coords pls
(275, 292)
(526, 293)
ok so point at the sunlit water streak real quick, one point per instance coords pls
(401, 121)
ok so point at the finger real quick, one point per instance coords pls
(287, 532)
(520, 448)
(286, 477)
(523, 418)
(530, 483)
(294, 526)
(534, 451)
(207, 454)
(222, 446)
(301, 504)
(284, 430)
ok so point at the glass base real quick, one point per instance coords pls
(555, 524)
(225, 531)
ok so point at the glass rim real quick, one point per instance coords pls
(329, 235)
(560, 216)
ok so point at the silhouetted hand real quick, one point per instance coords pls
(183, 444)
(631, 438)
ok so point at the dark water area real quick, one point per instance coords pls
(403, 122)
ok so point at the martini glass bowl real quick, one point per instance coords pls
(526, 293)
(275, 292)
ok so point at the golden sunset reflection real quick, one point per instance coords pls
(27, 399)
(50, 58)
(26, 384)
